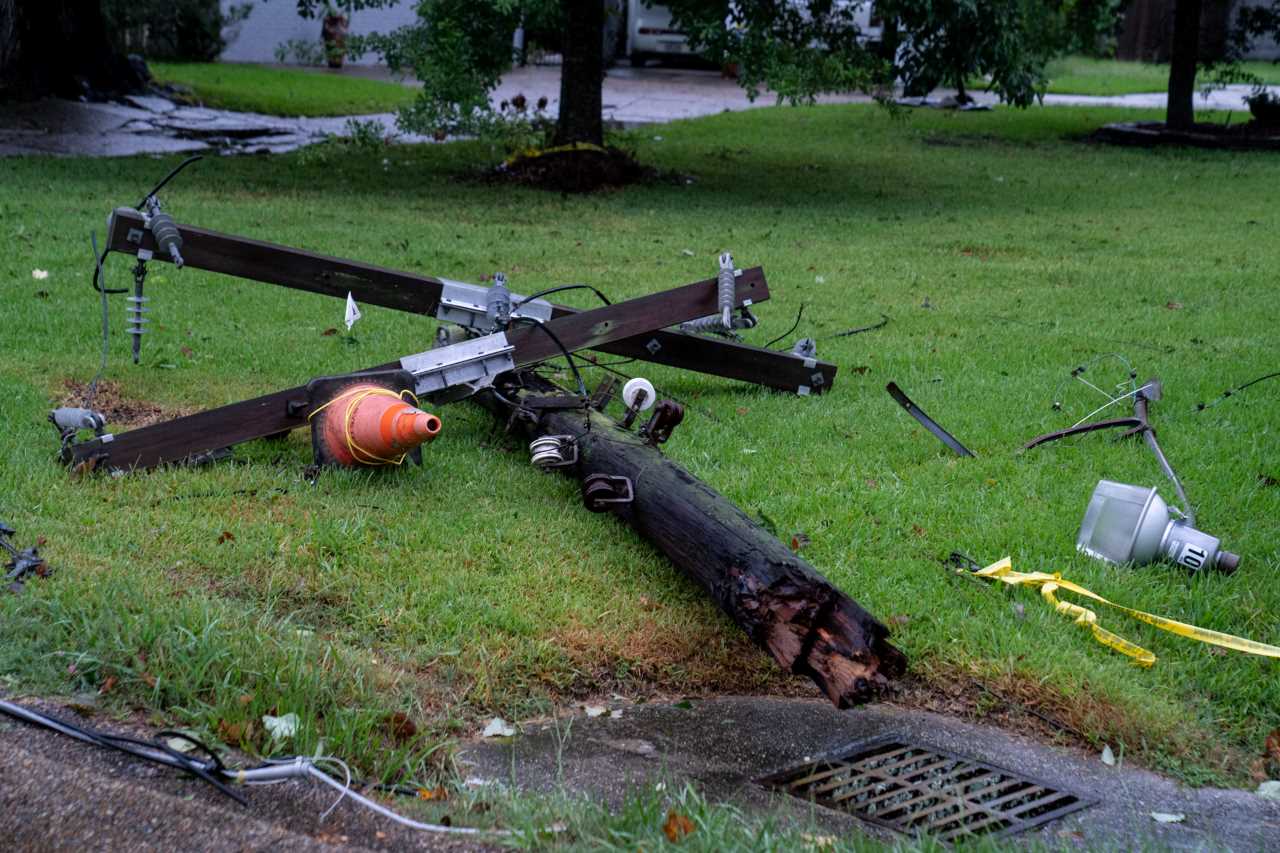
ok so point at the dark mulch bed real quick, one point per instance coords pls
(575, 170)
(1250, 136)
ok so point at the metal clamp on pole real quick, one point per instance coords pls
(554, 451)
(602, 492)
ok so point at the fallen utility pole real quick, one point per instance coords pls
(270, 263)
(437, 373)
(808, 625)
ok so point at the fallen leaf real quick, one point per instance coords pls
(898, 619)
(39, 275)
(227, 536)
(1166, 817)
(498, 727)
(232, 734)
(647, 603)
(742, 410)
(148, 679)
(437, 793)
(1173, 306)
(187, 351)
(595, 710)
(400, 727)
(246, 698)
(1271, 752)
(1108, 757)
(329, 332)
(873, 484)
(799, 541)
(107, 685)
(676, 826)
(917, 530)
(282, 727)
(179, 744)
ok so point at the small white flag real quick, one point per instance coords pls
(353, 311)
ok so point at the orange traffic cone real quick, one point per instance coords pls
(370, 425)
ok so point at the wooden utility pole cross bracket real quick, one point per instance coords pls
(520, 346)
(421, 294)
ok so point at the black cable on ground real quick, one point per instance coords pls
(157, 751)
(794, 326)
(1200, 407)
(884, 321)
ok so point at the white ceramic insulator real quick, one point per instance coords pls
(632, 390)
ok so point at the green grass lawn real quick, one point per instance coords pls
(283, 91)
(1083, 75)
(1004, 251)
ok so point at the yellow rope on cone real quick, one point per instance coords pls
(1049, 584)
(355, 396)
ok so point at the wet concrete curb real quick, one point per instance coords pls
(724, 745)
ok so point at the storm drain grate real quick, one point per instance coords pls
(918, 789)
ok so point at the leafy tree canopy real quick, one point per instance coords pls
(459, 49)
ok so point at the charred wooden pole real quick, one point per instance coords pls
(809, 626)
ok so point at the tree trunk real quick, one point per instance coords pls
(582, 74)
(809, 626)
(60, 47)
(1180, 113)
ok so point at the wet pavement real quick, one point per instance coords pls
(724, 745)
(632, 97)
(155, 125)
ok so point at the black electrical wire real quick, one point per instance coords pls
(1200, 407)
(794, 326)
(169, 177)
(582, 386)
(97, 272)
(156, 751)
(560, 288)
(884, 321)
(92, 391)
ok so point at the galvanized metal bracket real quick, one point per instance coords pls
(459, 370)
(602, 492)
(466, 305)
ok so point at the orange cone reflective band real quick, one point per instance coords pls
(370, 425)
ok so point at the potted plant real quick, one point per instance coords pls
(333, 32)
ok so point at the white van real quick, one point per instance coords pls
(651, 34)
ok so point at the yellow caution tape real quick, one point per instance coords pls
(530, 153)
(1049, 584)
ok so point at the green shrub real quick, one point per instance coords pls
(175, 30)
